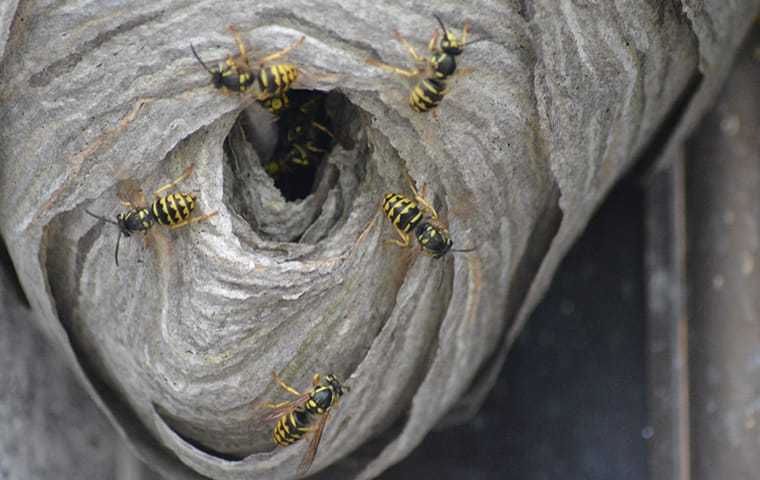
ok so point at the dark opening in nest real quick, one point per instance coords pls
(292, 171)
(304, 138)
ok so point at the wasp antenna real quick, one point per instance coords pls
(440, 22)
(463, 250)
(100, 217)
(116, 253)
(199, 59)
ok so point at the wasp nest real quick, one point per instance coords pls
(293, 273)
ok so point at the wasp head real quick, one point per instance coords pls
(128, 222)
(135, 220)
(125, 222)
(335, 384)
(451, 45)
(217, 79)
(449, 42)
(216, 73)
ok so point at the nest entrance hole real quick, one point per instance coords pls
(284, 167)
(292, 143)
(304, 138)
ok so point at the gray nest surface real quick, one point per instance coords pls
(177, 345)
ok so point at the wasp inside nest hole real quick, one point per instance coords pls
(296, 167)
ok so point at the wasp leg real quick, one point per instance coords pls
(412, 186)
(465, 30)
(192, 220)
(276, 405)
(366, 230)
(186, 173)
(363, 235)
(236, 64)
(420, 198)
(284, 385)
(242, 55)
(433, 44)
(403, 243)
(128, 205)
(316, 380)
(409, 48)
(404, 72)
(281, 53)
(264, 96)
(321, 127)
(426, 205)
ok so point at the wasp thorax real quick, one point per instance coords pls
(444, 65)
(324, 397)
(433, 239)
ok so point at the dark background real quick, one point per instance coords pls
(570, 401)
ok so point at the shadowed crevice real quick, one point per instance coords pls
(10, 277)
(178, 426)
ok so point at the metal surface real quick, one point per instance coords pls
(667, 326)
(703, 330)
(723, 210)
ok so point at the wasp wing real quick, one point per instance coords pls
(316, 437)
(280, 409)
(128, 191)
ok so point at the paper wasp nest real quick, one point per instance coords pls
(177, 344)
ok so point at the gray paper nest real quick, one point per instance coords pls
(177, 345)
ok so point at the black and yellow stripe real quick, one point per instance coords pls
(402, 212)
(144, 215)
(173, 208)
(291, 427)
(277, 79)
(427, 94)
(235, 80)
(406, 215)
(276, 104)
(135, 220)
